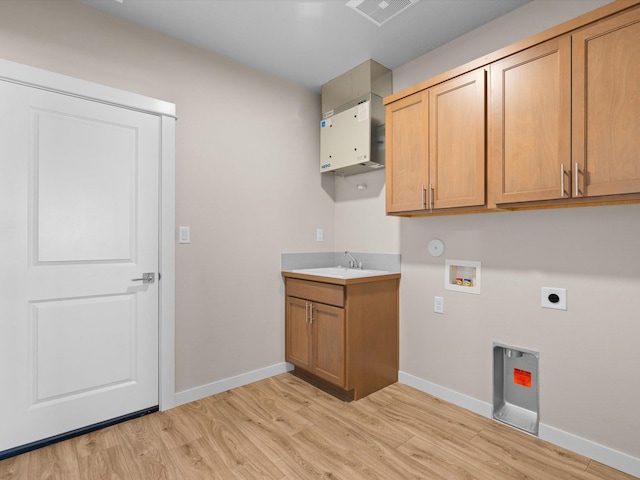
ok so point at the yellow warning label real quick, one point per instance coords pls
(522, 377)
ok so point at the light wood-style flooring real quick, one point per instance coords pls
(284, 428)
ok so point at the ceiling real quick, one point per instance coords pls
(309, 42)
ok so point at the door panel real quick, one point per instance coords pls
(298, 333)
(530, 123)
(329, 343)
(606, 106)
(85, 158)
(457, 141)
(106, 326)
(78, 221)
(407, 153)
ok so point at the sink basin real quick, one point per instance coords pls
(341, 272)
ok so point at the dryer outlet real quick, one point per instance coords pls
(554, 298)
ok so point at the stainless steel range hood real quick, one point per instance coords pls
(352, 125)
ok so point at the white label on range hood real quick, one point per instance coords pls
(327, 114)
(363, 112)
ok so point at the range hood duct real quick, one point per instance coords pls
(352, 136)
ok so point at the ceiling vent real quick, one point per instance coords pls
(380, 11)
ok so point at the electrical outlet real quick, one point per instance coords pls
(554, 298)
(319, 235)
(438, 304)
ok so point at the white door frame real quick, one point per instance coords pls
(43, 79)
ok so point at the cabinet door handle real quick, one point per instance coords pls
(424, 197)
(576, 180)
(311, 313)
(431, 197)
(306, 312)
(562, 180)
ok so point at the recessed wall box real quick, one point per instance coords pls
(515, 387)
(352, 132)
(463, 276)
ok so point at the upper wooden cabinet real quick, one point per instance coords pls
(530, 124)
(436, 147)
(606, 106)
(457, 141)
(562, 124)
(565, 116)
(407, 169)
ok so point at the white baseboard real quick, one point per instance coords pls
(618, 460)
(220, 386)
(600, 453)
(451, 396)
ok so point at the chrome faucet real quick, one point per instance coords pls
(353, 263)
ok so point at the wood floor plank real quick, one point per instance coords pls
(156, 464)
(283, 428)
(290, 399)
(57, 461)
(269, 437)
(437, 414)
(361, 454)
(292, 457)
(457, 460)
(242, 456)
(105, 464)
(196, 460)
(96, 441)
(603, 471)
(539, 459)
(355, 419)
(142, 449)
(173, 427)
(270, 409)
(14, 467)
(337, 458)
(138, 436)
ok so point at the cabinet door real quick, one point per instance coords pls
(406, 153)
(298, 346)
(457, 142)
(329, 343)
(529, 124)
(606, 103)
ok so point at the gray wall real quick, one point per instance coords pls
(588, 385)
(247, 185)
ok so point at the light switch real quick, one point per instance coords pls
(184, 235)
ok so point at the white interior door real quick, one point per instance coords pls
(78, 221)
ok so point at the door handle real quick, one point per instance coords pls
(149, 277)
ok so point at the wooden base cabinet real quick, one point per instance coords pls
(315, 338)
(343, 337)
